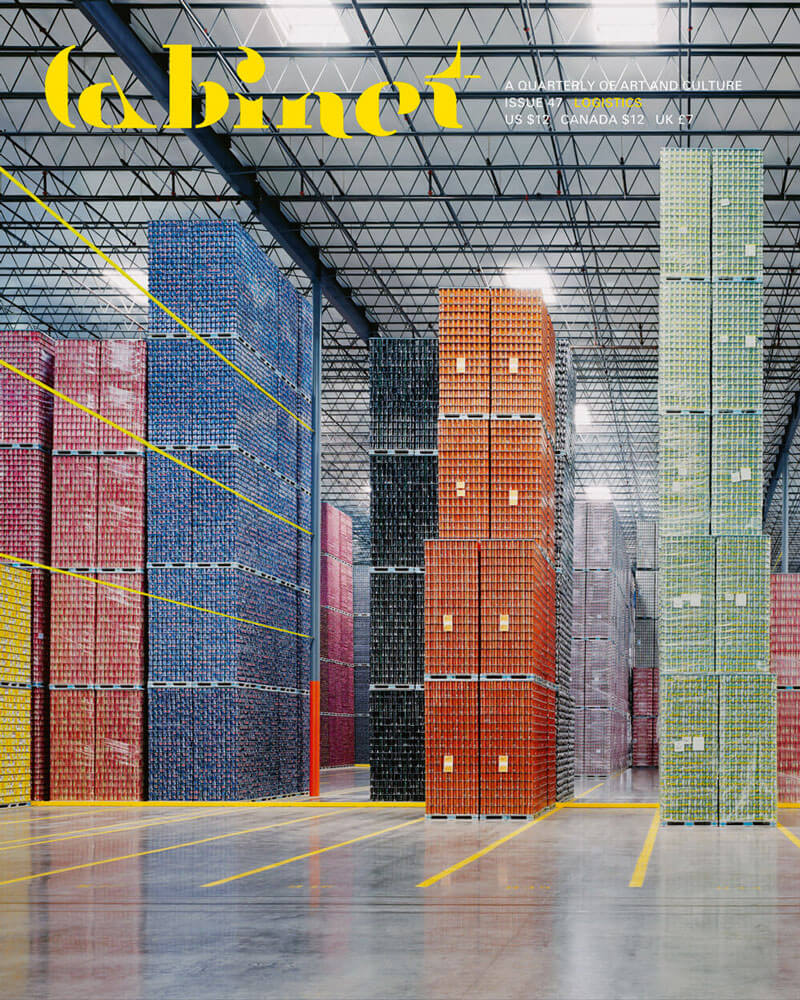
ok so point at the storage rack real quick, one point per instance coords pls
(228, 702)
(361, 655)
(490, 582)
(404, 404)
(718, 715)
(644, 688)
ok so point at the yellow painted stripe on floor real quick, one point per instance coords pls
(485, 850)
(788, 833)
(244, 804)
(90, 831)
(590, 790)
(153, 299)
(157, 850)
(29, 818)
(789, 805)
(640, 871)
(361, 765)
(311, 854)
(610, 805)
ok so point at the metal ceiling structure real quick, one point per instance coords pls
(390, 220)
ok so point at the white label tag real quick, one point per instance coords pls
(724, 202)
(504, 623)
(724, 338)
(448, 764)
(677, 602)
(744, 473)
(683, 230)
(513, 498)
(741, 600)
(461, 366)
(502, 764)
(447, 623)
(461, 488)
(683, 470)
(729, 596)
(513, 365)
(695, 600)
(678, 746)
(734, 477)
(750, 340)
(749, 249)
(676, 486)
(699, 743)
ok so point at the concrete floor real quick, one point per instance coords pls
(548, 913)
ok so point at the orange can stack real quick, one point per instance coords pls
(490, 583)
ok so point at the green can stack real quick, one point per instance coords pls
(717, 708)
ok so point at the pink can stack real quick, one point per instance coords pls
(26, 437)
(97, 672)
(785, 664)
(337, 710)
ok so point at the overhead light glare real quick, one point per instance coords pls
(534, 279)
(626, 23)
(120, 282)
(583, 418)
(597, 493)
(308, 22)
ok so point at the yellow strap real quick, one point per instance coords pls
(152, 298)
(149, 445)
(5, 557)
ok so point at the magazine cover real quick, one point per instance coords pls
(399, 577)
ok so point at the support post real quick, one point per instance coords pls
(316, 525)
(785, 516)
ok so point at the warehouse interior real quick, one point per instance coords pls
(257, 788)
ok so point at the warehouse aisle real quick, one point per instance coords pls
(318, 901)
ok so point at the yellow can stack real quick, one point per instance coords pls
(15, 686)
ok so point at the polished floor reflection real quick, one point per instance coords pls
(324, 901)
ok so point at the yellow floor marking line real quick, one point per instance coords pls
(592, 789)
(43, 819)
(149, 445)
(485, 850)
(610, 805)
(788, 833)
(361, 765)
(310, 854)
(640, 871)
(120, 827)
(5, 557)
(158, 850)
(789, 805)
(243, 804)
(153, 299)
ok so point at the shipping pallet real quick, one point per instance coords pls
(396, 569)
(397, 687)
(237, 685)
(708, 822)
(409, 452)
(13, 805)
(224, 565)
(474, 817)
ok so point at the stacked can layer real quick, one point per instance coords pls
(337, 718)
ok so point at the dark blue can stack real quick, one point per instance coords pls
(228, 700)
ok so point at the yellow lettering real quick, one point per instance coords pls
(250, 70)
(368, 112)
(331, 113)
(180, 92)
(445, 101)
(90, 107)
(56, 87)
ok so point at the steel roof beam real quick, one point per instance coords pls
(112, 24)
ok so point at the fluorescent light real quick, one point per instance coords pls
(597, 493)
(120, 282)
(583, 417)
(534, 279)
(626, 23)
(308, 22)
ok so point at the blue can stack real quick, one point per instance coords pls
(228, 700)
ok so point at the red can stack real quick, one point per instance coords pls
(784, 661)
(26, 437)
(337, 671)
(97, 674)
(490, 710)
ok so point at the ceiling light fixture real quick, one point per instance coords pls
(583, 418)
(625, 23)
(597, 493)
(533, 279)
(308, 22)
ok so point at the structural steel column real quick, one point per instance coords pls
(785, 516)
(316, 540)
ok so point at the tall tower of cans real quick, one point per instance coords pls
(565, 550)
(717, 699)
(228, 699)
(403, 406)
(490, 580)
